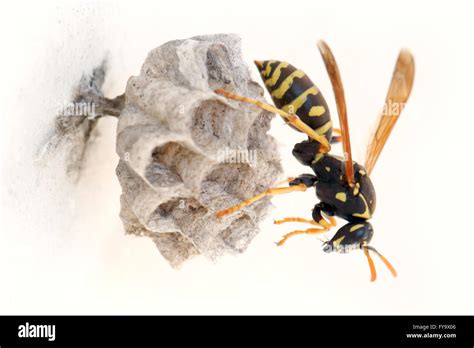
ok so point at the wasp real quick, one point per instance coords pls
(343, 187)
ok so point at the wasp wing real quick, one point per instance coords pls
(397, 96)
(335, 77)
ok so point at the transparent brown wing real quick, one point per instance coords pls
(397, 96)
(335, 77)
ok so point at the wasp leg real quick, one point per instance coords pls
(325, 224)
(324, 208)
(294, 233)
(291, 178)
(300, 183)
(295, 219)
(269, 192)
(318, 220)
(294, 120)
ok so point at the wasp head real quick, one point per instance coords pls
(357, 235)
(352, 236)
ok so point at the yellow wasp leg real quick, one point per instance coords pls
(291, 178)
(295, 219)
(269, 192)
(323, 223)
(294, 233)
(292, 119)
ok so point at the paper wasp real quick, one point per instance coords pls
(343, 186)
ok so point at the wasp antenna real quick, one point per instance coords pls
(373, 273)
(385, 261)
(322, 241)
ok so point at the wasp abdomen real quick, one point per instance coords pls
(293, 91)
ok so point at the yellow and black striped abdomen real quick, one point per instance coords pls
(293, 91)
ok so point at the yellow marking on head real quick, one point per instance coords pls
(356, 227)
(300, 100)
(268, 69)
(328, 169)
(366, 213)
(276, 74)
(317, 110)
(286, 84)
(341, 196)
(337, 242)
(362, 172)
(324, 128)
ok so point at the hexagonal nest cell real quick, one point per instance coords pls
(173, 138)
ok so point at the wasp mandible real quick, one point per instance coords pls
(343, 187)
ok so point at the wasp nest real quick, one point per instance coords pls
(186, 153)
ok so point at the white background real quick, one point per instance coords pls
(62, 246)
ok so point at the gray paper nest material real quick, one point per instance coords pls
(177, 140)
